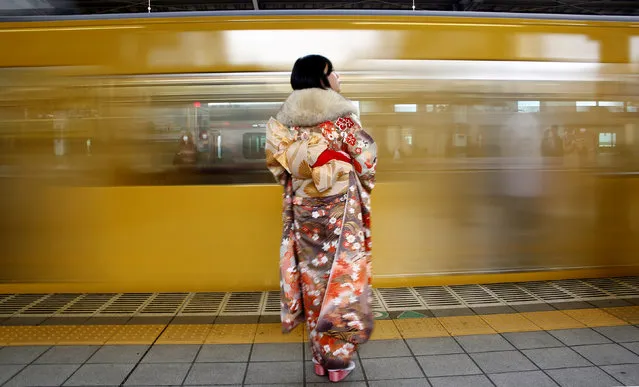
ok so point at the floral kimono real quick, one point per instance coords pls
(317, 149)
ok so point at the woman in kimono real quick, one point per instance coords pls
(317, 149)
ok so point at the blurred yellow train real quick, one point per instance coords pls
(132, 146)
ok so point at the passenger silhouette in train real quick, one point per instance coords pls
(187, 151)
(552, 145)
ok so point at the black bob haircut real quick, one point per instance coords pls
(308, 72)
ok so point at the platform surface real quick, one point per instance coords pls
(567, 333)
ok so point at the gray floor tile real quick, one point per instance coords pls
(158, 374)
(224, 353)
(216, 373)
(67, 354)
(43, 375)
(65, 321)
(118, 354)
(582, 377)
(384, 348)
(279, 384)
(177, 320)
(21, 355)
(497, 309)
(171, 354)
(522, 379)
(343, 383)
(7, 371)
(391, 368)
(450, 312)
(355, 375)
(269, 319)
(447, 365)
(104, 320)
(100, 375)
(524, 308)
(461, 381)
(607, 354)
(634, 347)
(571, 305)
(247, 319)
(547, 358)
(484, 343)
(275, 372)
(507, 361)
(530, 340)
(24, 321)
(620, 334)
(628, 374)
(434, 346)
(151, 320)
(400, 383)
(277, 352)
(581, 336)
(609, 303)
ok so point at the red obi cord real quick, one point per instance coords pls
(329, 155)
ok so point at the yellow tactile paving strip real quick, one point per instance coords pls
(271, 333)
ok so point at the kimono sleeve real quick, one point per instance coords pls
(278, 140)
(363, 149)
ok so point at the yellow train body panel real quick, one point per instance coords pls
(132, 237)
(259, 43)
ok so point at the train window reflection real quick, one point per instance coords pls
(528, 106)
(584, 106)
(405, 108)
(254, 145)
(607, 140)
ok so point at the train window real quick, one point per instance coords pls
(607, 140)
(528, 106)
(406, 108)
(254, 145)
(584, 106)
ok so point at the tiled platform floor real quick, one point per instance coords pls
(566, 333)
(601, 356)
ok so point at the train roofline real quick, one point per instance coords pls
(455, 14)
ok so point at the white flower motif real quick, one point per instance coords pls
(337, 231)
(315, 214)
(315, 237)
(351, 210)
(357, 246)
(350, 238)
(359, 216)
(326, 246)
(332, 221)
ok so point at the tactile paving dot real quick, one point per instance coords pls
(41, 335)
(552, 320)
(185, 334)
(465, 325)
(594, 317)
(509, 322)
(136, 334)
(7, 334)
(90, 335)
(419, 327)
(272, 333)
(231, 334)
(385, 330)
(626, 313)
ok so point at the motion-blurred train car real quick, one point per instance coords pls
(133, 146)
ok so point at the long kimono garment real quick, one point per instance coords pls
(325, 257)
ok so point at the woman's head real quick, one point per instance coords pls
(314, 71)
